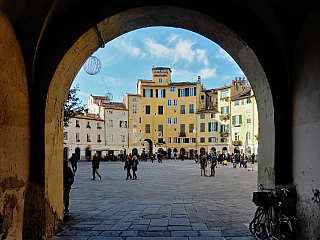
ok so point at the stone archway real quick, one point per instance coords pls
(155, 16)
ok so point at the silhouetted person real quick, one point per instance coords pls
(73, 161)
(68, 179)
(95, 166)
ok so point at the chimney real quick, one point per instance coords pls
(233, 82)
(199, 78)
(86, 112)
(100, 103)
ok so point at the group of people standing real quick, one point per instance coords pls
(131, 163)
(242, 160)
(204, 164)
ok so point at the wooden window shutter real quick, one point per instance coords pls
(164, 93)
(209, 126)
(151, 92)
(233, 120)
(144, 93)
(179, 92)
(156, 93)
(186, 92)
(240, 119)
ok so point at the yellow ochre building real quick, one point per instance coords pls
(179, 117)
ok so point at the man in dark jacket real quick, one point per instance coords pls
(135, 163)
(73, 161)
(68, 179)
(127, 166)
(95, 166)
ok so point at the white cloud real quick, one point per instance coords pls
(172, 38)
(182, 50)
(126, 47)
(183, 75)
(202, 56)
(208, 73)
(224, 55)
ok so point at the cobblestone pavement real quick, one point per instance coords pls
(169, 200)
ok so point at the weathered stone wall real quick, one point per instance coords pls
(306, 127)
(14, 132)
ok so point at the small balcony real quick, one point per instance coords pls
(182, 134)
(224, 134)
(237, 143)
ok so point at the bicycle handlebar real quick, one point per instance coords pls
(284, 190)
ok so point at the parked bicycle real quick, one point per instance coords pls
(270, 220)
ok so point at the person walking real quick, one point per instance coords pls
(203, 165)
(73, 161)
(196, 157)
(95, 166)
(213, 165)
(234, 161)
(252, 158)
(135, 163)
(68, 179)
(127, 166)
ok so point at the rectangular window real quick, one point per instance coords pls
(248, 100)
(236, 103)
(161, 93)
(135, 130)
(225, 110)
(175, 121)
(123, 138)
(248, 135)
(191, 108)
(147, 109)
(242, 102)
(169, 121)
(225, 94)
(182, 129)
(236, 136)
(110, 138)
(160, 129)
(202, 116)
(77, 123)
(191, 92)
(182, 92)
(175, 140)
(88, 138)
(77, 137)
(202, 140)
(213, 115)
(98, 138)
(147, 128)
(202, 127)
(98, 125)
(134, 99)
(172, 89)
(224, 128)
(215, 126)
(134, 109)
(65, 135)
(110, 123)
(175, 103)
(160, 80)
(237, 120)
(160, 110)
(191, 127)
(223, 139)
(192, 140)
(123, 124)
(169, 139)
(88, 124)
(182, 109)
(248, 111)
(212, 139)
(249, 120)
(147, 93)
(169, 103)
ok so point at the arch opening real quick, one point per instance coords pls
(176, 17)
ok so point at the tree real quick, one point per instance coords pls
(73, 105)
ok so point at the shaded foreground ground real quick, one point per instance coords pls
(169, 200)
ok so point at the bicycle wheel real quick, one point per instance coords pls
(255, 220)
(259, 224)
(284, 228)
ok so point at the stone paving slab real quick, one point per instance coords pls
(167, 201)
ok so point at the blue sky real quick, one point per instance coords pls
(132, 56)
